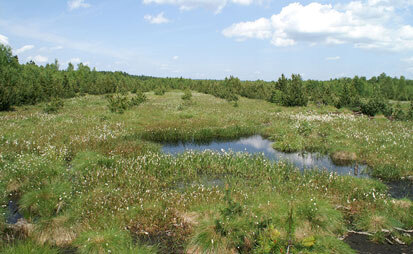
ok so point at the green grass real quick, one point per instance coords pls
(95, 180)
(108, 241)
(28, 247)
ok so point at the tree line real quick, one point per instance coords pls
(26, 84)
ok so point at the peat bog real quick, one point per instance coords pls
(87, 180)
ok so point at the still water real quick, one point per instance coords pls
(256, 144)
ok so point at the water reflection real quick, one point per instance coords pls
(257, 144)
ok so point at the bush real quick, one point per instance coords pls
(9, 78)
(294, 94)
(138, 99)
(187, 95)
(374, 106)
(276, 96)
(231, 231)
(231, 97)
(387, 111)
(118, 103)
(53, 106)
(160, 91)
(7, 98)
(398, 113)
(349, 97)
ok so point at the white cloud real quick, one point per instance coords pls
(76, 4)
(158, 19)
(371, 24)
(332, 58)
(216, 5)
(23, 49)
(38, 59)
(261, 29)
(4, 40)
(175, 58)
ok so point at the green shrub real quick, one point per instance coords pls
(138, 99)
(349, 97)
(276, 96)
(7, 97)
(270, 241)
(118, 103)
(399, 114)
(187, 95)
(374, 106)
(294, 94)
(53, 106)
(230, 97)
(387, 111)
(9, 78)
(229, 232)
(160, 90)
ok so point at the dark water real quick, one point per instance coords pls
(13, 214)
(401, 189)
(257, 144)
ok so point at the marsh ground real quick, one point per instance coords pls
(95, 181)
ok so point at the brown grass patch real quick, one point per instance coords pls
(56, 233)
(343, 158)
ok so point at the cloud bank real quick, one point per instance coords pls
(372, 24)
(23, 49)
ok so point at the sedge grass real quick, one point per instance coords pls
(86, 173)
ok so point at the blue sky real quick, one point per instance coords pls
(250, 39)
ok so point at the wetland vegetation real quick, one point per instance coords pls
(85, 166)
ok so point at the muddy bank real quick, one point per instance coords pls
(362, 245)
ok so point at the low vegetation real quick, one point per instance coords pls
(91, 180)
